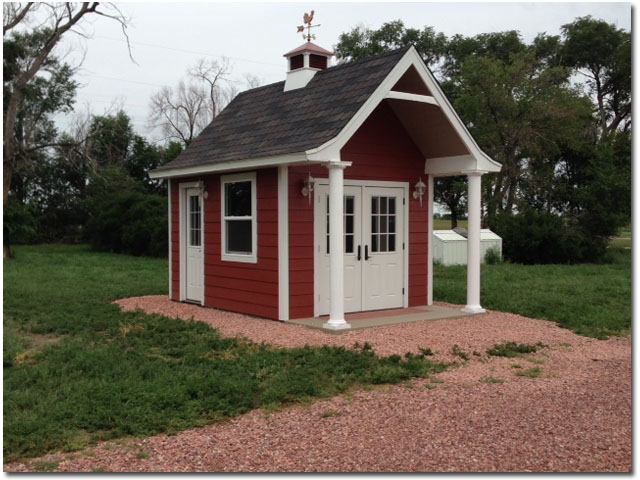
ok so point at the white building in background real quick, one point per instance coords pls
(450, 247)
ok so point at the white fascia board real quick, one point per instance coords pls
(231, 166)
(411, 97)
(331, 148)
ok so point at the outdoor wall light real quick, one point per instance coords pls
(307, 187)
(420, 188)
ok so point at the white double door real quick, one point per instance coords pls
(194, 265)
(373, 248)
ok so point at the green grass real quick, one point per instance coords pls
(592, 300)
(77, 370)
(534, 372)
(441, 224)
(513, 349)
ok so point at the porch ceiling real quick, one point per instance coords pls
(429, 128)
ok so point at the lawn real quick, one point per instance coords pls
(441, 224)
(592, 300)
(77, 370)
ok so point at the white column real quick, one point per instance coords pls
(430, 240)
(336, 246)
(473, 243)
(283, 242)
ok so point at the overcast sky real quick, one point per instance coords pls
(168, 38)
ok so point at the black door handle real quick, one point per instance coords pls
(358, 257)
(366, 252)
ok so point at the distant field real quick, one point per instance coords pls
(440, 224)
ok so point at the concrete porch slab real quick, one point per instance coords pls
(380, 318)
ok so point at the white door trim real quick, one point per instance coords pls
(317, 225)
(183, 237)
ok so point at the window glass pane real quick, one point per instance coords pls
(392, 243)
(383, 204)
(383, 243)
(348, 248)
(392, 205)
(383, 224)
(194, 221)
(374, 243)
(238, 199)
(327, 244)
(374, 204)
(374, 224)
(392, 224)
(239, 236)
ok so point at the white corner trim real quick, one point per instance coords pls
(238, 257)
(430, 195)
(231, 166)
(170, 246)
(283, 242)
(411, 97)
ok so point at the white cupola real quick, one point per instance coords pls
(303, 63)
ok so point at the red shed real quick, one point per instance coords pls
(314, 196)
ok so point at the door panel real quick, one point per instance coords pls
(194, 245)
(383, 233)
(352, 239)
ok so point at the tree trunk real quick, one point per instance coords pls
(454, 216)
(6, 185)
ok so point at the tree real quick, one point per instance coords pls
(182, 112)
(452, 192)
(30, 55)
(602, 53)
(110, 139)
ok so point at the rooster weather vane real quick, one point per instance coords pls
(308, 18)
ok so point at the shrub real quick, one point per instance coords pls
(19, 223)
(129, 222)
(513, 349)
(493, 256)
(533, 237)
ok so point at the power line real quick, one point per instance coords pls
(189, 51)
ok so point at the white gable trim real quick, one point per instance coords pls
(412, 97)
(330, 149)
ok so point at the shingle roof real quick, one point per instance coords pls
(267, 121)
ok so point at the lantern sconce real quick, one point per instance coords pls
(307, 187)
(420, 188)
(203, 191)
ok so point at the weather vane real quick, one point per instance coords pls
(308, 18)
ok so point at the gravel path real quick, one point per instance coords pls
(576, 416)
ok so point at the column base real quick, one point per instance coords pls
(473, 309)
(336, 325)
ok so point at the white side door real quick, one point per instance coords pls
(352, 248)
(194, 246)
(383, 239)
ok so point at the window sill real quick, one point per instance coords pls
(229, 257)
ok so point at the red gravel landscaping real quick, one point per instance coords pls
(573, 414)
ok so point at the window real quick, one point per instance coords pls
(383, 224)
(349, 219)
(239, 225)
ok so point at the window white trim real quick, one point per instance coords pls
(237, 257)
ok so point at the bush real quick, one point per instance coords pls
(19, 223)
(533, 237)
(129, 222)
(493, 256)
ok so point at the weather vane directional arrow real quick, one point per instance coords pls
(307, 19)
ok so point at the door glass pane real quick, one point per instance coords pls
(383, 224)
(194, 221)
(349, 223)
(239, 236)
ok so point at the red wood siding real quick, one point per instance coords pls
(250, 288)
(380, 150)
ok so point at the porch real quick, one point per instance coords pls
(382, 318)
